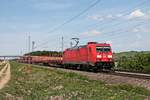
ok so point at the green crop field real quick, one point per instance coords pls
(34, 83)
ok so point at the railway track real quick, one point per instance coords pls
(124, 74)
(117, 73)
(131, 74)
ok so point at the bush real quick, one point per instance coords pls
(138, 63)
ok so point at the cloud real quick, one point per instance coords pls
(92, 32)
(119, 15)
(96, 17)
(109, 16)
(139, 36)
(136, 14)
(103, 17)
(141, 29)
(135, 30)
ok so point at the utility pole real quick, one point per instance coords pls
(71, 44)
(21, 52)
(62, 44)
(29, 45)
(33, 45)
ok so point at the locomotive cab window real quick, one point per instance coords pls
(106, 49)
(99, 49)
(103, 49)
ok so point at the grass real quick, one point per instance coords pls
(34, 83)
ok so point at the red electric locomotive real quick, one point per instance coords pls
(94, 55)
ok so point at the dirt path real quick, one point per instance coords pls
(2, 63)
(5, 75)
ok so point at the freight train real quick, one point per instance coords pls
(93, 55)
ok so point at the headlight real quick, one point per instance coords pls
(99, 56)
(109, 56)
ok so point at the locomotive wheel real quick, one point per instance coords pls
(95, 69)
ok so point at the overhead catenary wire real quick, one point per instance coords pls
(128, 30)
(119, 32)
(124, 13)
(116, 24)
(72, 18)
(115, 30)
(76, 16)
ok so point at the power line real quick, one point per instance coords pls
(117, 29)
(119, 32)
(72, 18)
(111, 32)
(126, 12)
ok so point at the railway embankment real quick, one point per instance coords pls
(35, 82)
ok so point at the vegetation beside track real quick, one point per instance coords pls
(34, 83)
(128, 54)
(133, 61)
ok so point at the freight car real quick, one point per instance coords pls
(93, 55)
(45, 60)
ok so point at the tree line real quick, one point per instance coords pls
(140, 62)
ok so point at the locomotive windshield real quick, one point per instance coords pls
(103, 49)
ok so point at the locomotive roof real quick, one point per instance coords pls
(77, 47)
(81, 46)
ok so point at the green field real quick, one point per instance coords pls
(34, 83)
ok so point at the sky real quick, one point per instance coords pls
(123, 23)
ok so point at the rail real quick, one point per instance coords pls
(131, 74)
